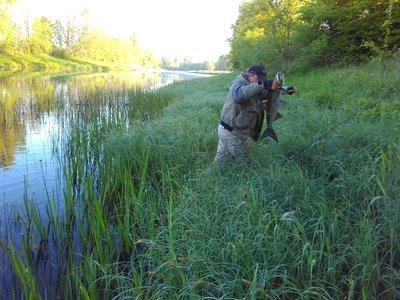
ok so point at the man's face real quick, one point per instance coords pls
(252, 78)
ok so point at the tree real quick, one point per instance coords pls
(291, 33)
(40, 42)
(78, 32)
(8, 30)
(248, 34)
(135, 53)
(58, 35)
(149, 60)
(223, 63)
(71, 39)
(284, 20)
(342, 28)
(263, 33)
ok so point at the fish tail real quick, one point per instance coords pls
(270, 132)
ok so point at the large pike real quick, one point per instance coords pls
(273, 103)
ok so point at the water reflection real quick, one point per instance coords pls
(36, 113)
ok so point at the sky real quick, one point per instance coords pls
(197, 29)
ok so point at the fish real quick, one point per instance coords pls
(272, 114)
(274, 102)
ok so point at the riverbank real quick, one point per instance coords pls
(314, 216)
(12, 64)
(17, 63)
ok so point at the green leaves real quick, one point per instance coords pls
(287, 34)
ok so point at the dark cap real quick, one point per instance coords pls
(258, 70)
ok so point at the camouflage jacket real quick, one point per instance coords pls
(244, 109)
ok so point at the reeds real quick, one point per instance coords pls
(147, 216)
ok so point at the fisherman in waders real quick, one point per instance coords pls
(250, 94)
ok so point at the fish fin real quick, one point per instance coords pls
(282, 103)
(278, 116)
(269, 132)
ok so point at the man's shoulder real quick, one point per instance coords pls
(240, 80)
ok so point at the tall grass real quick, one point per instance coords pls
(148, 216)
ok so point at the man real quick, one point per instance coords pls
(243, 112)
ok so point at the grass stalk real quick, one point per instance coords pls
(145, 214)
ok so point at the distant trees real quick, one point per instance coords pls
(8, 31)
(71, 39)
(186, 65)
(293, 33)
(40, 42)
(222, 63)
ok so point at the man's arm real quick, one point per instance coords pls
(242, 93)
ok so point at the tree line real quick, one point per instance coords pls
(222, 64)
(71, 39)
(74, 39)
(287, 34)
(296, 34)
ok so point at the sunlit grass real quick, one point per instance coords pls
(17, 63)
(148, 216)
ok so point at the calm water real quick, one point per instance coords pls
(39, 115)
(35, 116)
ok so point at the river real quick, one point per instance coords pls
(39, 117)
(35, 116)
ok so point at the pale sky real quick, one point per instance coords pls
(173, 28)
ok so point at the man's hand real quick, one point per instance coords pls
(291, 89)
(275, 85)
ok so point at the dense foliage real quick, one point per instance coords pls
(292, 33)
(71, 39)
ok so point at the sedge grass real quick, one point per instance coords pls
(147, 216)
